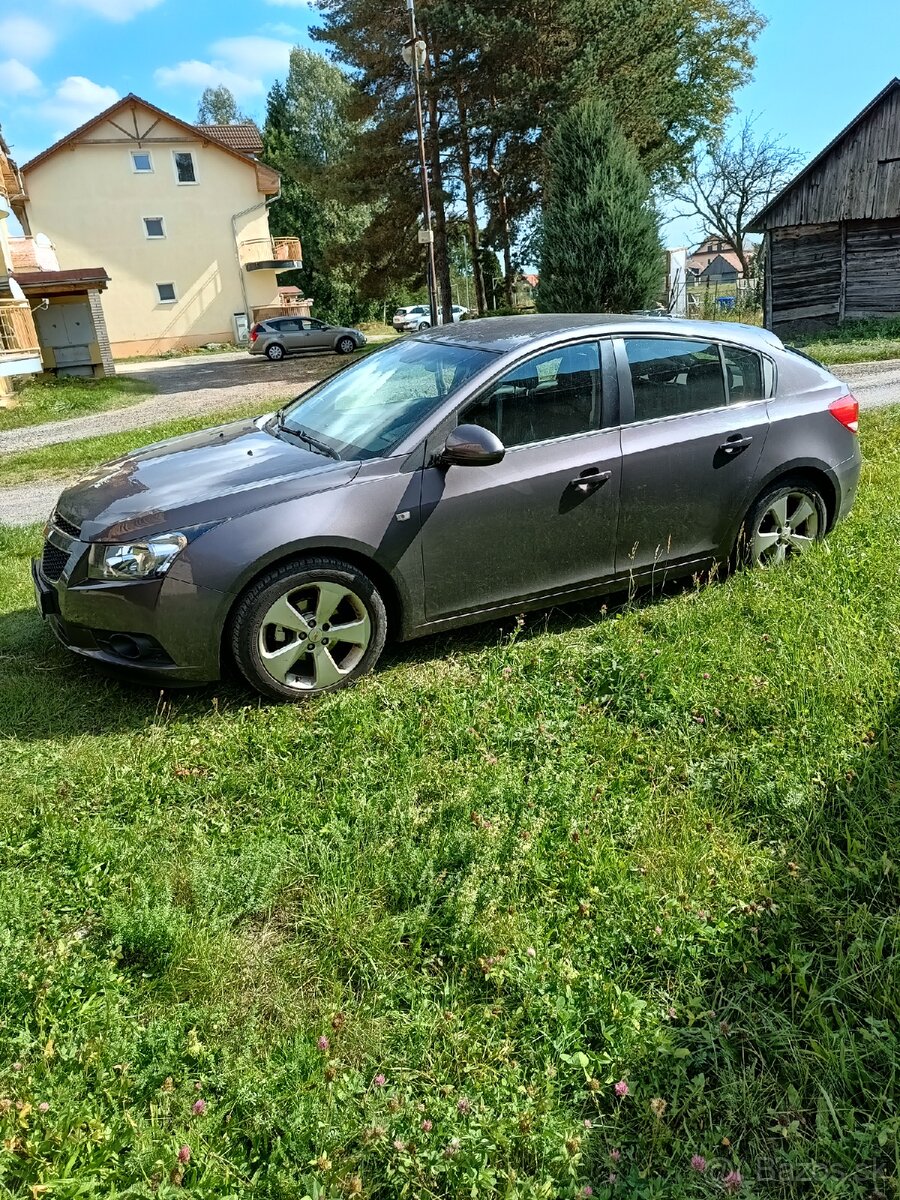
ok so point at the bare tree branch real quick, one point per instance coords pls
(728, 185)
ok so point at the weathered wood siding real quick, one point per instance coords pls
(873, 269)
(857, 180)
(805, 272)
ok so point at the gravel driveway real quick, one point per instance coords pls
(197, 385)
(186, 387)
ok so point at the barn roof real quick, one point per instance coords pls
(759, 223)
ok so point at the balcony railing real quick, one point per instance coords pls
(18, 336)
(10, 185)
(299, 308)
(272, 254)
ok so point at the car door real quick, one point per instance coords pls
(694, 423)
(290, 333)
(317, 336)
(543, 520)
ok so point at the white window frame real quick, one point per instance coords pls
(159, 299)
(185, 182)
(144, 153)
(154, 237)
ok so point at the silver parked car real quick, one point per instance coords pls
(454, 476)
(418, 316)
(292, 335)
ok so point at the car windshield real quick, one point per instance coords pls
(367, 410)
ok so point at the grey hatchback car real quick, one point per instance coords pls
(467, 472)
(294, 335)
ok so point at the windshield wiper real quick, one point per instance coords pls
(312, 442)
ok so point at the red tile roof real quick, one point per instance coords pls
(91, 277)
(244, 137)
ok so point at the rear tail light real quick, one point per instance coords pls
(254, 333)
(846, 410)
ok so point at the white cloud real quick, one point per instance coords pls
(76, 100)
(116, 10)
(281, 30)
(16, 79)
(253, 55)
(198, 75)
(242, 64)
(25, 38)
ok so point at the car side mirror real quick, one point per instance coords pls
(472, 446)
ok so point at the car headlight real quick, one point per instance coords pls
(147, 559)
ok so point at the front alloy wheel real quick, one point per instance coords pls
(346, 345)
(310, 626)
(786, 522)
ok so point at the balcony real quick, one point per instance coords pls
(20, 352)
(271, 254)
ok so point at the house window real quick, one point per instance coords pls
(141, 163)
(184, 166)
(154, 227)
(166, 293)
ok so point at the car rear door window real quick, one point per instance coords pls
(744, 371)
(672, 376)
(287, 326)
(554, 395)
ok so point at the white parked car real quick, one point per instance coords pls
(418, 316)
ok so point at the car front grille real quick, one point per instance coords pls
(53, 561)
(66, 526)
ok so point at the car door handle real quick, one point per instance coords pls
(591, 480)
(735, 444)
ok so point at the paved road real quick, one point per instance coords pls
(207, 385)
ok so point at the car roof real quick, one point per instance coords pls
(505, 334)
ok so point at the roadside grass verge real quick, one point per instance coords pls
(854, 341)
(57, 398)
(405, 940)
(77, 457)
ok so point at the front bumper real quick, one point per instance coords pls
(158, 630)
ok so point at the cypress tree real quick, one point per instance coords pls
(599, 240)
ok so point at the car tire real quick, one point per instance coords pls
(275, 352)
(307, 594)
(423, 325)
(787, 519)
(346, 345)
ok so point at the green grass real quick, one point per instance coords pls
(854, 341)
(71, 458)
(52, 398)
(517, 865)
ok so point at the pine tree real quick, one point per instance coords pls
(599, 242)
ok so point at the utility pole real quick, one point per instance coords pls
(414, 52)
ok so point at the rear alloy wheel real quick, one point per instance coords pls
(275, 352)
(784, 522)
(346, 345)
(311, 626)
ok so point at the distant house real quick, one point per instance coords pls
(524, 288)
(715, 260)
(177, 213)
(833, 234)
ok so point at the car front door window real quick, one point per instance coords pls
(554, 395)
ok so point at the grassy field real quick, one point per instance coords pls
(604, 902)
(79, 456)
(854, 341)
(52, 398)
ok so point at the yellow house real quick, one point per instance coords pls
(19, 352)
(177, 214)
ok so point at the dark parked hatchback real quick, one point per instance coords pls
(467, 472)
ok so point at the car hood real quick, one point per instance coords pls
(199, 478)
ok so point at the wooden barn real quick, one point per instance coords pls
(833, 234)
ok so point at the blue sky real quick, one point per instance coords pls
(61, 61)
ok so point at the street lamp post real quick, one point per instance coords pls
(414, 52)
